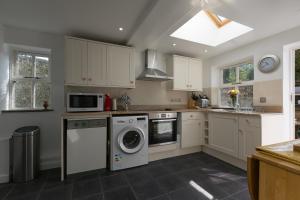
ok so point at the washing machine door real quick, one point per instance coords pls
(131, 140)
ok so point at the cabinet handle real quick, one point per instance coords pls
(89, 79)
(191, 116)
(131, 82)
(83, 79)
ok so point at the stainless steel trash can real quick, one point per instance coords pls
(25, 154)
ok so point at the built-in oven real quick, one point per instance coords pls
(162, 128)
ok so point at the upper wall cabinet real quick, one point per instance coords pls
(187, 73)
(76, 62)
(91, 63)
(120, 67)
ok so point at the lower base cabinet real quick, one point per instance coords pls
(223, 133)
(192, 129)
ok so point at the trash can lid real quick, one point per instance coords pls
(27, 130)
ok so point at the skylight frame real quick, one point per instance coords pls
(202, 29)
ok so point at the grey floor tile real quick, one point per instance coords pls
(147, 190)
(212, 189)
(92, 197)
(57, 193)
(158, 180)
(157, 171)
(170, 182)
(5, 189)
(183, 194)
(123, 193)
(162, 197)
(114, 181)
(86, 188)
(55, 180)
(27, 188)
(231, 187)
(243, 195)
(137, 175)
(27, 196)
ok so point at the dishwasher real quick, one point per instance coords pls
(86, 142)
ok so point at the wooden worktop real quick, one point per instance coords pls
(274, 171)
(110, 113)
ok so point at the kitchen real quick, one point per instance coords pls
(124, 44)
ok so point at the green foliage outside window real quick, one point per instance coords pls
(297, 67)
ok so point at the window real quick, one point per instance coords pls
(239, 76)
(29, 82)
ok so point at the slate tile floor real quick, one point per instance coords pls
(169, 179)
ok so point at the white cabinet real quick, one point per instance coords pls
(120, 67)
(187, 73)
(192, 129)
(180, 73)
(91, 63)
(76, 70)
(249, 135)
(236, 135)
(195, 74)
(223, 133)
(97, 64)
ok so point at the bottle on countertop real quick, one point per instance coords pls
(107, 104)
(114, 104)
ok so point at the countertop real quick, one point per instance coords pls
(111, 113)
(282, 151)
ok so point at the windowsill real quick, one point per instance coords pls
(27, 110)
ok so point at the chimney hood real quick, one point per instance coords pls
(153, 71)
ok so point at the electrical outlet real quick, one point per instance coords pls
(263, 99)
(176, 100)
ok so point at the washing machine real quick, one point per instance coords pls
(128, 141)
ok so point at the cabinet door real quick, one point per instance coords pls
(180, 70)
(195, 74)
(191, 133)
(96, 64)
(75, 62)
(223, 133)
(249, 137)
(120, 67)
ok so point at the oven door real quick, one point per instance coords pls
(162, 131)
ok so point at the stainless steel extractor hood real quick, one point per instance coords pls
(153, 71)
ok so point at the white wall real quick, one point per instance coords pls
(270, 45)
(49, 122)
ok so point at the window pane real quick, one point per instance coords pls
(42, 66)
(229, 75)
(225, 99)
(23, 66)
(42, 93)
(246, 96)
(22, 94)
(246, 72)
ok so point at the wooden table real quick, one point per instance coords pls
(274, 172)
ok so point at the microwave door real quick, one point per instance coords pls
(77, 103)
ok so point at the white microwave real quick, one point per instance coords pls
(85, 102)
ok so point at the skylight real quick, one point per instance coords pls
(210, 29)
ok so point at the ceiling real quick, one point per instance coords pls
(148, 23)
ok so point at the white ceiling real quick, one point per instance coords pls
(148, 23)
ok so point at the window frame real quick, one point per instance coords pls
(238, 82)
(12, 80)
